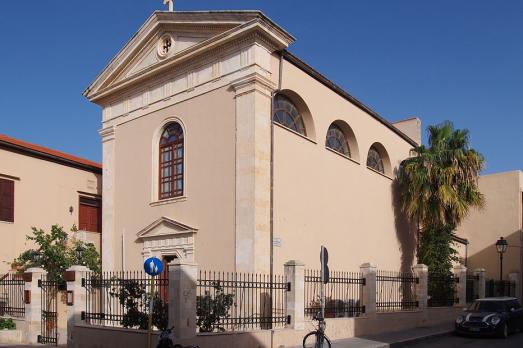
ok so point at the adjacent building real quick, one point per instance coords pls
(40, 187)
(222, 147)
(502, 216)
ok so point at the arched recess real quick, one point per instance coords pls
(350, 137)
(155, 168)
(379, 149)
(310, 131)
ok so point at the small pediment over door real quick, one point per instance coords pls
(168, 237)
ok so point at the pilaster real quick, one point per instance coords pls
(108, 195)
(295, 275)
(253, 141)
(460, 272)
(76, 299)
(422, 273)
(368, 272)
(33, 309)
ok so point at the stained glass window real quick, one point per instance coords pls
(374, 160)
(171, 162)
(337, 141)
(287, 114)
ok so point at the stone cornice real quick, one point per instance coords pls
(107, 133)
(253, 82)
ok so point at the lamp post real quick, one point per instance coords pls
(37, 257)
(501, 247)
(79, 253)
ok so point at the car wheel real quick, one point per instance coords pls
(504, 331)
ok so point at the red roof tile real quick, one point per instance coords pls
(47, 151)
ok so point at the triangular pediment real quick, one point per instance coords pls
(165, 226)
(167, 38)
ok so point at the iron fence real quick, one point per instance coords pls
(122, 299)
(343, 294)
(472, 287)
(240, 301)
(12, 296)
(495, 288)
(442, 290)
(396, 291)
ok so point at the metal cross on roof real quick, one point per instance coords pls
(171, 4)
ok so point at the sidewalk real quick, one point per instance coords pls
(393, 339)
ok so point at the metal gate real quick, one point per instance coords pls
(49, 293)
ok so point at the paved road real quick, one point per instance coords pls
(452, 341)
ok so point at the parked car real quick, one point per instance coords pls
(491, 316)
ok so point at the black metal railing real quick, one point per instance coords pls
(396, 291)
(12, 296)
(499, 288)
(343, 294)
(230, 301)
(122, 299)
(442, 290)
(472, 287)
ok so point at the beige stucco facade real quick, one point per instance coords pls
(47, 187)
(246, 178)
(501, 217)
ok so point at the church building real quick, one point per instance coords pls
(223, 148)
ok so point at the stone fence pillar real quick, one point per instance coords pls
(76, 301)
(460, 272)
(295, 274)
(481, 274)
(182, 293)
(422, 273)
(368, 272)
(514, 277)
(33, 303)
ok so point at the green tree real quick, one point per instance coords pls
(211, 310)
(57, 253)
(439, 186)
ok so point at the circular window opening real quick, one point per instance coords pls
(165, 45)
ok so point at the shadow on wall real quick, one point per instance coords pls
(488, 257)
(405, 230)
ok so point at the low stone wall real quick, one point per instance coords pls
(86, 336)
(14, 336)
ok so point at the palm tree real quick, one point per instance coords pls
(439, 183)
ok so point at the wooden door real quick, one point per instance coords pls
(90, 215)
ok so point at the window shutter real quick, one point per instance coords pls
(7, 200)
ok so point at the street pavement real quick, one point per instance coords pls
(453, 341)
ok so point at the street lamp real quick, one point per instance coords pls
(501, 247)
(37, 257)
(79, 251)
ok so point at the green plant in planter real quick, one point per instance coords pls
(7, 324)
(210, 310)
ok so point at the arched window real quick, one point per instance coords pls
(287, 114)
(337, 141)
(374, 160)
(171, 162)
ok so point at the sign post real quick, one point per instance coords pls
(324, 259)
(152, 266)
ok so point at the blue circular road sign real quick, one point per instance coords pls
(153, 266)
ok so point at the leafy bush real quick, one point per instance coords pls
(7, 324)
(133, 296)
(210, 310)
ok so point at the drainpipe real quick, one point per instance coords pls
(271, 218)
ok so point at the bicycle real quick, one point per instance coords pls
(165, 340)
(317, 338)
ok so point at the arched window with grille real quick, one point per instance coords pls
(287, 114)
(374, 160)
(171, 167)
(337, 140)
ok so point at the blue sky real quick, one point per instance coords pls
(439, 60)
